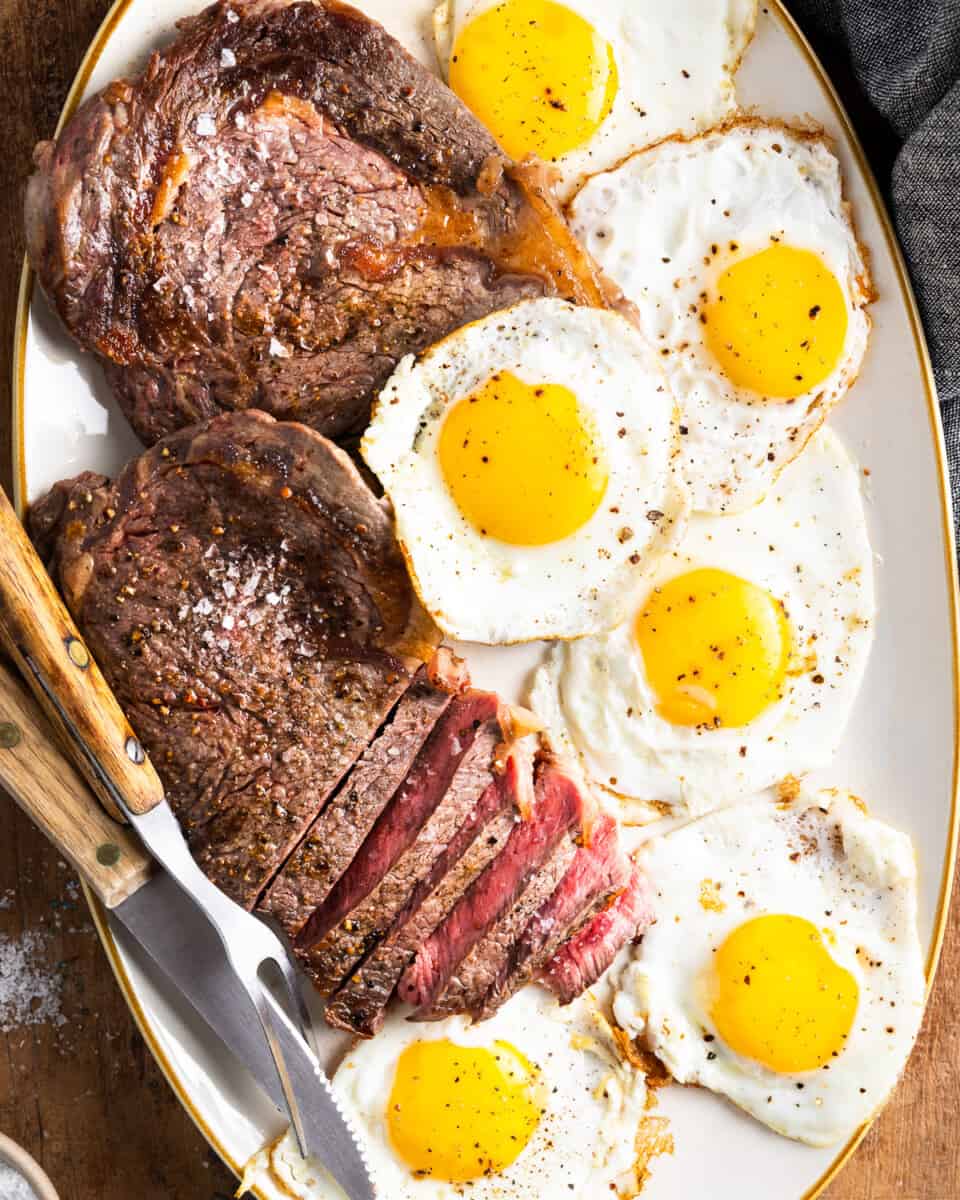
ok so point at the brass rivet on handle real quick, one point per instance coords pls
(79, 654)
(10, 735)
(135, 751)
(108, 854)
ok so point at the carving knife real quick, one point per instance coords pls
(229, 965)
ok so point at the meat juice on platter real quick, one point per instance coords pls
(310, 272)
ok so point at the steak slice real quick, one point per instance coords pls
(243, 593)
(326, 852)
(359, 1006)
(599, 871)
(470, 982)
(449, 776)
(277, 210)
(582, 960)
(530, 866)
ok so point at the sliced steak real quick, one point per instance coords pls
(337, 834)
(581, 961)
(276, 211)
(241, 589)
(599, 871)
(449, 776)
(359, 1006)
(471, 981)
(535, 857)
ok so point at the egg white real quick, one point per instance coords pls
(675, 64)
(583, 1146)
(478, 588)
(807, 545)
(652, 224)
(822, 858)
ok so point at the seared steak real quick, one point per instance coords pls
(360, 1005)
(581, 961)
(276, 211)
(242, 590)
(599, 871)
(337, 834)
(459, 961)
(448, 778)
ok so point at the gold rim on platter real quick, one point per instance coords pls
(180, 1089)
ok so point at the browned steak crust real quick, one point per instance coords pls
(277, 210)
(241, 588)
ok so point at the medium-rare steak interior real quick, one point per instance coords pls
(276, 211)
(241, 589)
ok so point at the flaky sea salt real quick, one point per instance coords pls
(206, 126)
(278, 349)
(227, 58)
(13, 1186)
(29, 991)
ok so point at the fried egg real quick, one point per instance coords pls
(529, 458)
(784, 969)
(533, 1103)
(738, 251)
(741, 662)
(581, 84)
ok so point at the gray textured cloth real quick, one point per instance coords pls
(897, 65)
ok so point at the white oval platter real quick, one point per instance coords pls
(900, 752)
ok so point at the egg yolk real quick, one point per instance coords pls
(777, 322)
(462, 1112)
(715, 648)
(778, 996)
(536, 74)
(522, 461)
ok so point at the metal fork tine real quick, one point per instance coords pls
(248, 944)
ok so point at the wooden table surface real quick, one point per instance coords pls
(84, 1096)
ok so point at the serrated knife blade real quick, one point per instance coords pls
(165, 923)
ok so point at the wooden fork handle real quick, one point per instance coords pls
(36, 628)
(55, 796)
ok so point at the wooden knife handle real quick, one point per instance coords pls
(55, 797)
(34, 621)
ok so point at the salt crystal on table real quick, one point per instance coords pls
(13, 1186)
(29, 992)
